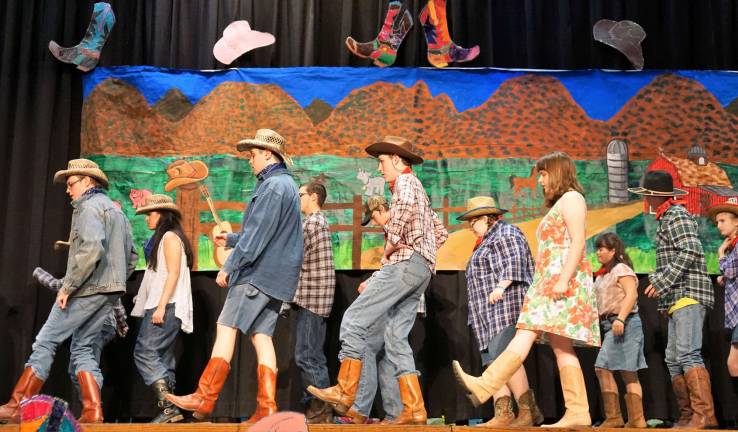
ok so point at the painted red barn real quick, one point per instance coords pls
(706, 183)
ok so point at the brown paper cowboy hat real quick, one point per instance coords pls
(657, 183)
(729, 206)
(480, 206)
(158, 202)
(82, 167)
(396, 145)
(269, 140)
(182, 172)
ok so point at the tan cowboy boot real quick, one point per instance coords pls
(504, 414)
(634, 404)
(611, 406)
(679, 385)
(528, 412)
(355, 416)
(413, 407)
(91, 403)
(481, 389)
(202, 402)
(28, 385)
(700, 396)
(266, 394)
(575, 399)
(341, 395)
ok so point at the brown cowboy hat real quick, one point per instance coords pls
(396, 145)
(480, 206)
(657, 183)
(182, 172)
(269, 140)
(158, 202)
(82, 167)
(729, 206)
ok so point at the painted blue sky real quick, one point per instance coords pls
(601, 94)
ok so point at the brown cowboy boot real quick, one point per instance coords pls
(575, 399)
(319, 412)
(528, 412)
(341, 395)
(611, 406)
(700, 396)
(355, 416)
(679, 385)
(634, 404)
(480, 389)
(202, 402)
(28, 385)
(91, 403)
(413, 411)
(266, 394)
(504, 414)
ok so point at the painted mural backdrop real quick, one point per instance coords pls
(174, 131)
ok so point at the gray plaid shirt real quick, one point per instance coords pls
(317, 283)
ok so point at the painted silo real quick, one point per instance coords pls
(617, 171)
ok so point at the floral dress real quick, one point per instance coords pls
(576, 315)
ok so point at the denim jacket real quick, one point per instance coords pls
(267, 253)
(100, 245)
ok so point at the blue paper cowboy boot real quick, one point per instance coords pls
(86, 54)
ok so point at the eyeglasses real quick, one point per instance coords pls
(302, 194)
(69, 185)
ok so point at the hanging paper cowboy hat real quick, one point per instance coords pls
(480, 206)
(657, 183)
(269, 140)
(729, 206)
(82, 167)
(158, 202)
(182, 172)
(372, 203)
(396, 145)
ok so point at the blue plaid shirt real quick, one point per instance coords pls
(504, 254)
(729, 269)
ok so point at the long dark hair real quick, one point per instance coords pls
(168, 221)
(613, 242)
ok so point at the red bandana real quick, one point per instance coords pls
(665, 206)
(601, 272)
(478, 243)
(734, 243)
(407, 170)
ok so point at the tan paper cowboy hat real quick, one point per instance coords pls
(396, 145)
(657, 183)
(729, 206)
(182, 172)
(158, 202)
(372, 203)
(267, 139)
(82, 167)
(480, 206)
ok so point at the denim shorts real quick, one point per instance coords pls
(250, 310)
(622, 353)
(497, 344)
(734, 337)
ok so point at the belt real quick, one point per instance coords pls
(610, 316)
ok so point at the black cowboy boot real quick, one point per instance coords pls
(169, 413)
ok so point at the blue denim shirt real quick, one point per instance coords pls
(267, 253)
(100, 244)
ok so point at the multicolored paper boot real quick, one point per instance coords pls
(383, 49)
(441, 49)
(87, 53)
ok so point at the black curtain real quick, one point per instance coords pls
(40, 105)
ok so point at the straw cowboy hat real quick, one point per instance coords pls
(372, 203)
(269, 140)
(657, 183)
(82, 167)
(729, 206)
(480, 206)
(158, 202)
(182, 172)
(396, 145)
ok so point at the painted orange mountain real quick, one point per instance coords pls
(526, 117)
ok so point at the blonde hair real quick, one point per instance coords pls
(562, 176)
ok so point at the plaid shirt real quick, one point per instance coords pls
(413, 223)
(503, 255)
(680, 261)
(317, 282)
(729, 269)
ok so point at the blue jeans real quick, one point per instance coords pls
(309, 355)
(82, 319)
(395, 292)
(684, 343)
(106, 335)
(154, 350)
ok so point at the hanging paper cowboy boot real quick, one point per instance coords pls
(441, 49)
(383, 49)
(87, 53)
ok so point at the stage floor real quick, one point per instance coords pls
(234, 427)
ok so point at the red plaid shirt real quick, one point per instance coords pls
(317, 282)
(413, 225)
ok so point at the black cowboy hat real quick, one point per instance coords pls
(657, 183)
